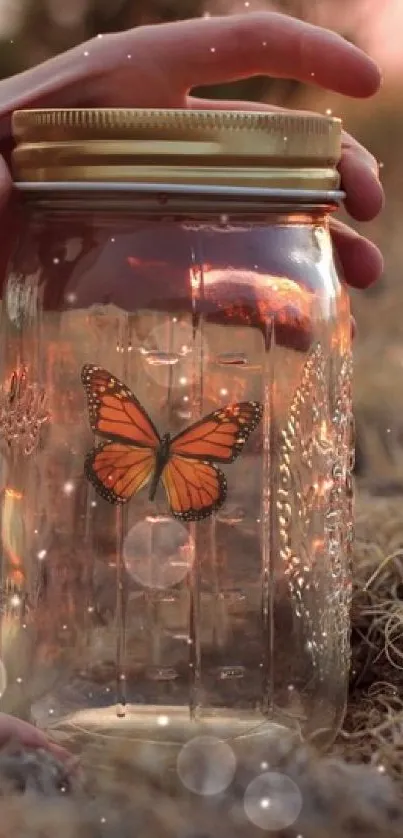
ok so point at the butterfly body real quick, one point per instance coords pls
(161, 459)
(133, 454)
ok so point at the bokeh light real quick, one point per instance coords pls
(206, 765)
(171, 352)
(158, 552)
(272, 801)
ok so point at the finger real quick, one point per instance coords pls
(29, 736)
(358, 167)
(361, 260)
(197, 103)
(360, 181)
(5, 184)
(220, 49)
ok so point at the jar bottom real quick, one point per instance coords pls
(163, 731)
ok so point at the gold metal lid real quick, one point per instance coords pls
(228, 148)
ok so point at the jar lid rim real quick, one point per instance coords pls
(307, 146)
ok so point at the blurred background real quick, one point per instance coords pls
(34, 30)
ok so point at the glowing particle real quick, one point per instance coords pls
(163, 721)
(19, 680)
(264, 43)
(223, 391)
(93, 503)
(15, 601)
(68, 487)
(129, 56)
(41, 554)
(329, 112)
(56, 260)
(212, 49)
(86, 53)
(100, 36)
(183, 381)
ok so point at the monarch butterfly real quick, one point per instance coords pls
(133, 453)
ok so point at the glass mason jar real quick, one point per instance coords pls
(176, 427)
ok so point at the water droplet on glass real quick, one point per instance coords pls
(272, 801)
(158, 552)
(206, 765)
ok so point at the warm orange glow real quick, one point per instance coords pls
(14, 574)
(14, 494)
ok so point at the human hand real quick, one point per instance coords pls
(158, 66)
(13, 729)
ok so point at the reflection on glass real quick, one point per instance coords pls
(118, 614)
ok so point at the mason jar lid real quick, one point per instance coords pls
(283, 149)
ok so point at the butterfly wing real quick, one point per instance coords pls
(194, 489)
(114, 412)
(118, 471)
(220, 436)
